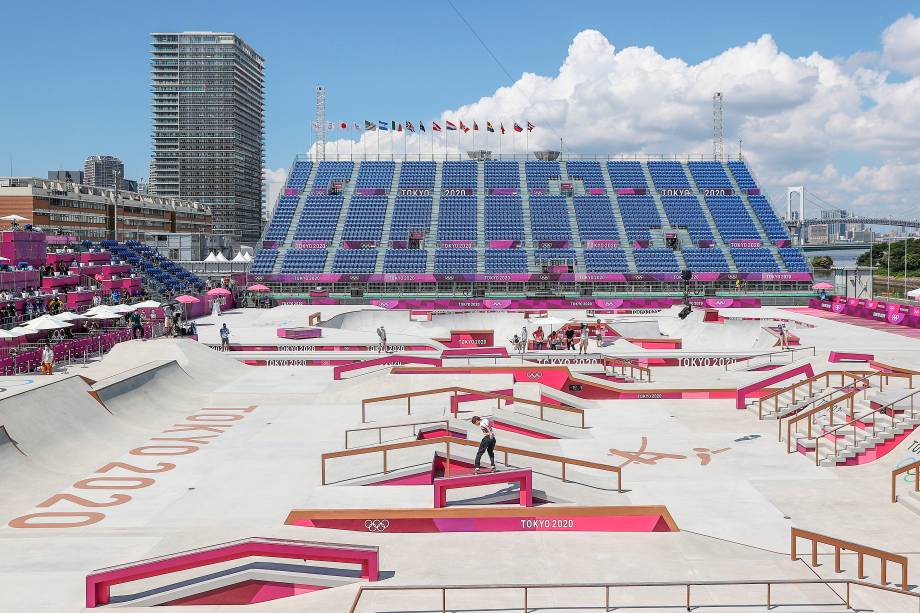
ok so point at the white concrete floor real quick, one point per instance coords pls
(735, 513)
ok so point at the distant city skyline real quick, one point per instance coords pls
(830, 107)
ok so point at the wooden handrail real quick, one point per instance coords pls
(826, 375)
(860, 550)
(380, 429)
(882, 409)
(466, 390)
(314, 318)
(607, 587)
(849, 395)
(791, 351)
(913, 466)
(448, 441)
(623, 363)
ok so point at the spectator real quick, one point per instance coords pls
(570, 339)
(47, 359)
(224, 337)
(583, 339)
(538, 338)
(137, 327)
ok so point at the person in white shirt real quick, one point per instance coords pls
(47, 360)
(487, 444)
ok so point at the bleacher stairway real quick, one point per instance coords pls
(720, 243)
(388, 217)
(621, 227)
(347, 191)
(298, 211)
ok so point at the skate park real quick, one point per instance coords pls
(148, 452)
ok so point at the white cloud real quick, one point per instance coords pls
(901, 44)
(274, 181)
(796, 115)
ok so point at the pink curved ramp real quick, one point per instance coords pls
(395, 360)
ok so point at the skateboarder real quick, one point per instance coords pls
(487, 444)
(382, 335)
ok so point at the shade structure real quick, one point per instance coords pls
(822, 285)
(148, 304)
(123, 308)
(13, 217)
(107, 315)
(102, 308)
(69, 316)
(220, 257)
(218, 291)
(22, 331)
(914, 293)
(258, 287)
(186, 299)
(8, 334)
(46, 322)
(211, 258)
(238, 257)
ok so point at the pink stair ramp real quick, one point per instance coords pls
(523, 476)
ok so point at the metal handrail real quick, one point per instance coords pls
(449, 440)
(623, 364)
(849, 391)
(486, 394)
(791, 351)
(774, 395)
(853, 420)
(913, 466)
(380, 429)
(860, 550)
(526, 587)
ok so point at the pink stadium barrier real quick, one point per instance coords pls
(846, 356)
(522, 476)
(490, 352)
(743, 392)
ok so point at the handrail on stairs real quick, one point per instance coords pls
(774, 395)
(853, 421)
(913, 466)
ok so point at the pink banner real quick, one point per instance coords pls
(631, 191)
(503, 191)
(359, 244)
(291, 191)
(749, 243)
(602, 244)
(370, 191)
(753, 191)
(553, 244)
(596, 191)
(455, 244)
(506, 244)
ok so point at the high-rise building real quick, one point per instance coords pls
(208, 126)
(835, 230)
(101, 171)
(69, 176)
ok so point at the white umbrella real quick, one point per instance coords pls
(547, 321)
(13, 217)
(914, 293)
(123, 308)
(69, 316)
(147, 304)
(102, 308)
(106, 315)
(6, 334)
(21, 331)
(46, 322)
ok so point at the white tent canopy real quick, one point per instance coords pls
(211, 258)
(238, 257)
(147, 304)
(914, 293)
(220, 257)
(69, 316)
(46, 322)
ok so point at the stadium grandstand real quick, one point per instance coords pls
(563, 225)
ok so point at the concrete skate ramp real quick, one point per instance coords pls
(208, 368)
(730, 335)
(637, 328)
(60, 426)
(148, 394)
(505, 325)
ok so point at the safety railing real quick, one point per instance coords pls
(497, 396)
(380, 429)
(798, 387)
(829, 401)
(861, 552)
(688, 601)
(773, 357)
(836, 432)
(622, 364)
(385, 449)
(897, 472)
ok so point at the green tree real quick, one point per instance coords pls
(824, 262)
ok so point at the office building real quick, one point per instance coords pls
(102, 170)
(208, 127)
(68, 176)
(96, 213)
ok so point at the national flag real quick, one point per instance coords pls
(518, 128)
(356, 127)
(490, 127)
(475, 126)
(344, 126)
(530, 127)
(421, 126)
(382, 125)
(435, 126)
(503, 127)
(330, 126)
(399, 127)
(316, 125)
(369, 126)
(392, 125)
(451, 125)
(409, 126)
(464, 128)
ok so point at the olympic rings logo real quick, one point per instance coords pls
(534, 375)
(377, 525)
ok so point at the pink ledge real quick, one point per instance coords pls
(396, 360)
(100, 582)
(522, 476)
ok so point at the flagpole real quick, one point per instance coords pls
(378, 142)
(527, 136)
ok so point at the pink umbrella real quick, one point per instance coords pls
(822, 286)
(218, 291)
(186, 299)
(258, 287)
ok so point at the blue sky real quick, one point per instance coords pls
(77, 75)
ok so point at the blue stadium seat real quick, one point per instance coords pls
(549, 218)
(504, 218)
(354, 261)
(364, 220)
(709, 174)
(539, 173)
(588, 171)
(405, 261)
(454, 261)
(501, 173)
(410, 213)
(375, 174)
(668, 175)
(706, 260)
(506, 260)
(656, 260)
(686, 212)
(606, 260)
(594, 215)
(754, 260)
(625, 174)
(639, 214)
(457, 218)
(303, 260)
